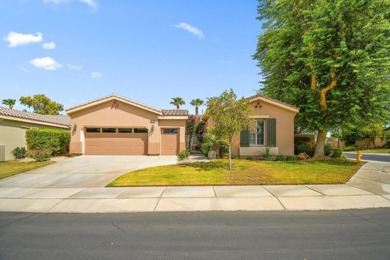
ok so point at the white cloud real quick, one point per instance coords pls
(90, 3)
(74, 67)
(48, 45)
(45, 63)
(191, 29)
(56, 1)
(96, 75)
(16, 39)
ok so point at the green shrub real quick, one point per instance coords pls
(337, 153)
(57, 141)
(280, 157)
(183, 155)
(223, 148)
(205, 148)
(19, 152)
(304, 143)
(328, 149)
(40, 155)
(349, 148)
(304, 148)
(292, 158)
(386, 145)
(266, 153)
(250, 158)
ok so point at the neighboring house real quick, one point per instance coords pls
(13, 125)
(274, 128)
(116, 125)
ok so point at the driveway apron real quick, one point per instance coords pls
(84, 171)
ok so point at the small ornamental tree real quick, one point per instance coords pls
(230, 115)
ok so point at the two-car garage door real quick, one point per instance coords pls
(127, 141)
(116, 141)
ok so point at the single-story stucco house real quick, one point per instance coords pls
(115, 125)
(274, 128)
(13, 125)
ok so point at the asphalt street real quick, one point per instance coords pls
(369, 157)
(354, 234)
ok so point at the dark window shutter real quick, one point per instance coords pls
(271, 132)
(244, 138)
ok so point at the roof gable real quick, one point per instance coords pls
(273, 102)
(111, 98)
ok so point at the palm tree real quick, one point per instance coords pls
(197, 102)
(177, 101)
(9, 102)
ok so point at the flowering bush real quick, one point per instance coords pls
(40, 155)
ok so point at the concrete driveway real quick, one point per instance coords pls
(84, 171)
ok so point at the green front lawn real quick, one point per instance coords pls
(15, 167)
(245, 172)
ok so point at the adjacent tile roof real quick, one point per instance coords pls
(273, 100)
(164, 112)
(60, 120)
(174, 112)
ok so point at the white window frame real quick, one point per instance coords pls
(256, 135)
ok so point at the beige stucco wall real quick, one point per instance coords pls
(122, 115)
(13, 134)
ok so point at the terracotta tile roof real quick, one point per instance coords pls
(118, 97)
(273, 100)
(164, 112)
(175, 112)
(59, 120)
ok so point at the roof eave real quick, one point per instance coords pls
(172, 117)
(76, 109)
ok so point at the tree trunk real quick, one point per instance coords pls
(230, 156)
(320, 144)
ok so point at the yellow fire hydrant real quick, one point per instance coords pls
(358, 156)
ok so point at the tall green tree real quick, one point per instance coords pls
(196, 103)
(177, 101)
(9, 102)
(42, 104)
(328, 57)
(230, 115)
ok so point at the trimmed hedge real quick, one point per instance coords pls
(304, 143)
(56, 141)
(337, 153)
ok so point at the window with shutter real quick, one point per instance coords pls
(244, 138)
(271, 132)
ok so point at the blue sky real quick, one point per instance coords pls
(74, 51)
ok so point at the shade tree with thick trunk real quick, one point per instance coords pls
(329, 58)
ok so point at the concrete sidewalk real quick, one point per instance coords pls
(369, 188)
